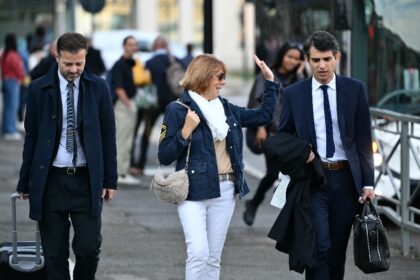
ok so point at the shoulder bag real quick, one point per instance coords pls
(174, 187)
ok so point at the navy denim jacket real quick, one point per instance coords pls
(202, 170)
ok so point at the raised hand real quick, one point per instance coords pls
(268, 74)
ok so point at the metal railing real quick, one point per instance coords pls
(395, 134)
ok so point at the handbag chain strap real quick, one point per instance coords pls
(187, 159)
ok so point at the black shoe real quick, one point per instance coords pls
(249, 214)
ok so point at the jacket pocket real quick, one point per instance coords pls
(198, 176)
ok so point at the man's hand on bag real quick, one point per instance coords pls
(367, 193)
(192, 120)
(23, 196)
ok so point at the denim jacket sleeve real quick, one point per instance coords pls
(263, 114)
(171, 142)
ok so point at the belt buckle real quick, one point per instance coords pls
(223, 177)
(333, 166)
(71, 170)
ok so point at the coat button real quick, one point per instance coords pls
(41, 167)
(53, 117)
(49, 142)
(234, 124)
(192, 171)
(230, 147)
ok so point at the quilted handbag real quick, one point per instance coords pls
(371, 250)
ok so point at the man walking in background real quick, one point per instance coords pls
(157, 66)
(69, 159)
(125, 109)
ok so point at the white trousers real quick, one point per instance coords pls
(125, 121)
(205, 224)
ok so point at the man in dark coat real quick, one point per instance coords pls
(331, 112)
(69, 159)
(94, 62)
(294, 228)
(45, 64)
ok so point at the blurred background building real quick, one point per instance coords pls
(181, 21)
(378, 37)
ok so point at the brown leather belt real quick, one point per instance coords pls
(227, 177)
(335, 165)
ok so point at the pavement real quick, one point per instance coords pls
(143, 239)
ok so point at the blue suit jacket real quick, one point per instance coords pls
(353, 121)
(43, 124)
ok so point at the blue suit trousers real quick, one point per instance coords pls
(334, 208)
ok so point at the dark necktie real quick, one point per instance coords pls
(70, 133)
(328, 123)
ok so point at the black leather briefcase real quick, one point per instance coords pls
(371, 250)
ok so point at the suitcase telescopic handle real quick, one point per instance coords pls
(20, 262)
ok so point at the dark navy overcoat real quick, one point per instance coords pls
(43, 124)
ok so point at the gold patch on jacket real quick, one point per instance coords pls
(162, 132)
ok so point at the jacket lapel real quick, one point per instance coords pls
(52, 88)
(80, 102)
(341, 103)
(308, 111)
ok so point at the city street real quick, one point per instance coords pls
(143, 239)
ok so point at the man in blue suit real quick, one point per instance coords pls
(69, 159)
(331, 112)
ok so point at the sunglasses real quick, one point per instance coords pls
(221, 76)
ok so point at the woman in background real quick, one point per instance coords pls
(13, 74)
(288, 68)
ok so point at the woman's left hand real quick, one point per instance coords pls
(301, 67)
(268, 74)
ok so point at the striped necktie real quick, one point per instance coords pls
(70, 133)
(328, 123)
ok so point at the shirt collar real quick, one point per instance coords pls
(64, 82)
(161, 51)
(332, 84)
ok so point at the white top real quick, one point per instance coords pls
(64, 158)
(319, 120)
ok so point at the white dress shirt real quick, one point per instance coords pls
(64, 158)
(319, 120)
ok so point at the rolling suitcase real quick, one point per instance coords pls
(21, 260)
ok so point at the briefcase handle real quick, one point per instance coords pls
(26, 263)
(368, 207)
